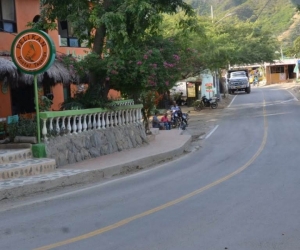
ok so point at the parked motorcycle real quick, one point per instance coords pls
(205, 102)
(179, 119)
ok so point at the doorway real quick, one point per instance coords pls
(22, 99)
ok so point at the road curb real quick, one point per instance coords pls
(92, 176)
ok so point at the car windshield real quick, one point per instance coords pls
(238, 74)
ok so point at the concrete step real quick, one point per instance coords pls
(14, 155)
(27, 167)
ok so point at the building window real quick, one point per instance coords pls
(8, 16)
(66, 33)
(277, 69)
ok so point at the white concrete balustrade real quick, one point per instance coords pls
(78, 121)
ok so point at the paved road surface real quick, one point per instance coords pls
(240, 191)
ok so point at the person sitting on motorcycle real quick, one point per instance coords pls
(166, 121)
(176, 109)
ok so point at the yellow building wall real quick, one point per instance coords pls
(276, 77)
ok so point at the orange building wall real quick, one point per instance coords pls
(5, 103)
(25, 12)
(114, 94)
(58, 94)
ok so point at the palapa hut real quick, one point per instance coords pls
(17, 90)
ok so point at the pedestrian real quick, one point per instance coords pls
(155, 121)
(179, 99)
(166, 121)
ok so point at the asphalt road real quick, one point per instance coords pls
(240, 191)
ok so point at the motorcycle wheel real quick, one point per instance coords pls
(196, 108)
(175, 123)
(214, 105)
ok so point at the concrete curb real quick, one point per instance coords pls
(90, 176)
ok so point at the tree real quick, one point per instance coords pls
(116, 30)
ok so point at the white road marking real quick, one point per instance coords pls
(211, 132)
(231, 101)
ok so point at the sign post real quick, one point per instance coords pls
(33, 52)
(208, 87)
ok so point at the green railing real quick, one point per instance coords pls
(78, 121)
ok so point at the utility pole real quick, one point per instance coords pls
(212, 13)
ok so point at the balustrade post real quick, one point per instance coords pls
(79, 125)
(127, 116)
(90, 122)
(112, 119)
(44, 129)
(69, 125)
(119, 118)
(103, 120)
(99, 121)
(63, 126)
(135, 116)
(107, 119)
(74, 127)
(116, 118)
(84, 123)
(94, 121)
(57, 129)
(51, 125)
(123, 117)
(140, 115)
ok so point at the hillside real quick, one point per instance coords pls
(279, 16)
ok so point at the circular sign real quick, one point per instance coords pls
(33, 51)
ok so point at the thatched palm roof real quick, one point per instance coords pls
(8, 70)
(57, 73)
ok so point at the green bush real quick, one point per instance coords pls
(25, 127)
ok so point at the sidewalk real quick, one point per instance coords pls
(167, 145)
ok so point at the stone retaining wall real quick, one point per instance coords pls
(75, 148)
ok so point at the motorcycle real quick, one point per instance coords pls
(179, 119)
(205, 102)
(211, 102)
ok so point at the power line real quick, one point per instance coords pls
(263, 9)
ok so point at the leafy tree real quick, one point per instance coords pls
(118, 32)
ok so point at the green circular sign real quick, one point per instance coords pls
(33, 51)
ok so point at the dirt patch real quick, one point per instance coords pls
(202, 122)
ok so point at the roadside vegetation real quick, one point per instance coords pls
(143, 47)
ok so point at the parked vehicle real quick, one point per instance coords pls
(205, 102)
(179, 119)
(238, 80)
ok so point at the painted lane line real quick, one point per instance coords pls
(168, 204)
(295, 98)
(211, 132)
(231, 101)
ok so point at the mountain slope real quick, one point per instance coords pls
(277, 16)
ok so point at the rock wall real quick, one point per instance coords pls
(94, 143)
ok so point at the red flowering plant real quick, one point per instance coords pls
(145, 71)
